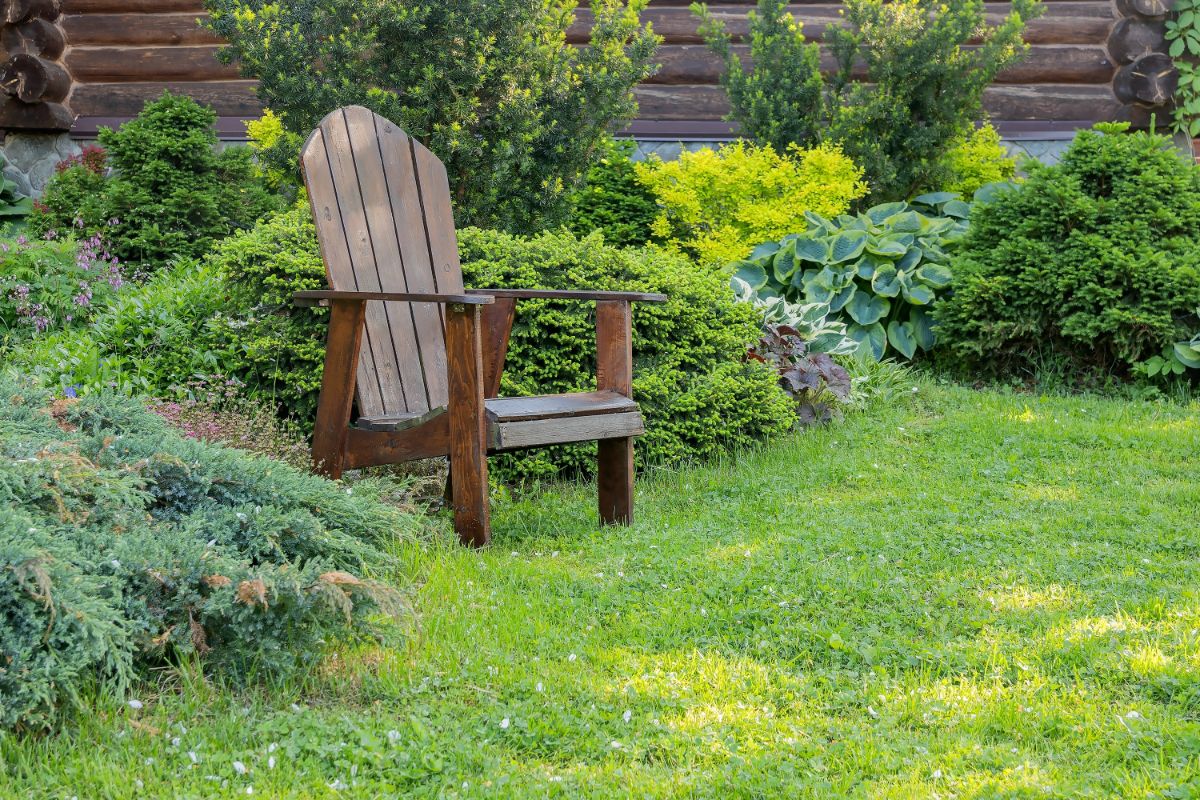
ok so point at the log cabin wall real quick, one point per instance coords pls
(116, 54)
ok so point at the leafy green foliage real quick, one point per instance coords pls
(779, 101)
(125, 546)
(976, 160)
(810, 321)
(47, 285)
(808, 377)
(881, 269)
(14, 206)
(1183, 32)
(613, 201)
(906, 88)
(170, 195)
(698, 396)
(1096, 259)
(490, 86)
(716, 205)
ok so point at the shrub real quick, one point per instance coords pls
(904, 91)
(613, 201)
(881, 269)
(488, 85)
(126, 546)
(14, 206)
(975, 160)
(780, 100)
(169, 193)
(1096, 260)
(718, 204)
(54, 284)
(697, 394)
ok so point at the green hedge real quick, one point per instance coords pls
(698, 394)
(1094, 261)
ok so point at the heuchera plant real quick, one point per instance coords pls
(807, 377)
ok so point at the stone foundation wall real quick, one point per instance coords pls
(33, 156)
(1048, 151)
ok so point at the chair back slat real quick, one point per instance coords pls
(381, 203)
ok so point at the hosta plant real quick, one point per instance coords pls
(1175, 359)
(879, 271)
(810, 320)
(808, 377)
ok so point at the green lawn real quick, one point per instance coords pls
(960, 595)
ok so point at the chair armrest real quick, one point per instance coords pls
(322, 297)
(556, 294)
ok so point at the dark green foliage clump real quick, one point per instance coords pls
(490, 86)
(613, 201)
(169, 193)
(905, 91)
(124, 546)
(697, 392)
(1095, 260)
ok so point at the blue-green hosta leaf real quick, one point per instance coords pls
(908, 222)
(847, 246)
(1188, 354)
(763, 250)
(843, 274)
(932, 227)
(936, 198)
(901, 336)
(802, 278)
(818, 223)
(957, 209)
(990, 191)
(869, 263)
(922, 327)
(937, 276)
(879, 214)
(752, 273)
(867, 309)
(917, 293)
(810, 249)
(886, 281)
(872, 339)
(814, 292)
(844, 296)
(21, 208)
(888, 248)
(910, 259)
(783, 265)
(934, 253)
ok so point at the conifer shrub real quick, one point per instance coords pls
(158, 190)
(125, 546)
(613, 200)
(1095, 260)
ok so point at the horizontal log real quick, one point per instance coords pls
(1063, 22)
(15, 115)
(137, 29)
(34, 80)
(132, 6)
(695, 64)
(196, 63)
(37, 37)
(228, 98)
(1044, 103)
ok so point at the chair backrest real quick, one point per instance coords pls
(381, 203)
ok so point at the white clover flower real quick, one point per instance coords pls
(628, 715)
(504, 723)
(136, 705)
(239, 768)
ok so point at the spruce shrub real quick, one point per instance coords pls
(124, 546)
(613, 200)
(159, 190)
(1095, 260)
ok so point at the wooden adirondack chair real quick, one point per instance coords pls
(422, 357)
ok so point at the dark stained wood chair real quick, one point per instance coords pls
(419, 355)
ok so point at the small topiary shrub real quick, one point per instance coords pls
(613, 200)
(1095, 260)
(717, 205)
(124, 546)
(698, 394)
(169, 193)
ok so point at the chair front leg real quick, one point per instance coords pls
(468, 427)
(614, 372)
(337, 386)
